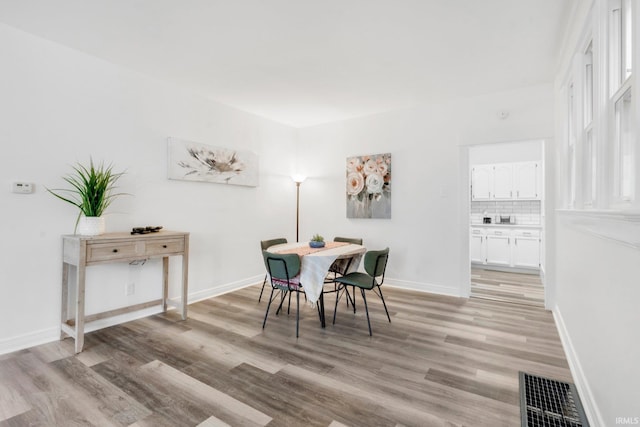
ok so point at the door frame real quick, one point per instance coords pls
(547, 269)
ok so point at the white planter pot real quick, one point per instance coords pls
(91, 226)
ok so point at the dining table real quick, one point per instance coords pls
(315, 264)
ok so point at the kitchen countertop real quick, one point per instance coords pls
(532, 226)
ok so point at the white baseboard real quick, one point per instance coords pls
(53, 334)
(31, 339)
(223, 289)
(423, 287)
(586, 396)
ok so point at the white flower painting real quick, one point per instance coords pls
(369, 186)
(192, 161)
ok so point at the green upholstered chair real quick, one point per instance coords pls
(340, 268)
(284, 274)
(375, 264)
(264, 245)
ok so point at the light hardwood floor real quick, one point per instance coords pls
(508, 287)
(442, 361)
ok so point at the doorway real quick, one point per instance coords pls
(506, 222)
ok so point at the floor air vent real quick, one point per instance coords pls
(549, 403)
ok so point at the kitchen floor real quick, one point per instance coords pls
(516, 288)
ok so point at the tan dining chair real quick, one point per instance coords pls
(264, 245)
(375, 265)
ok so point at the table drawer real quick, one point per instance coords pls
(527, 233)
(164, 247)
(113, 251)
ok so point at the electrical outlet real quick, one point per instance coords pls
(130, 289)
(22, 187)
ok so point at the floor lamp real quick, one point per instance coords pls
(298, 179)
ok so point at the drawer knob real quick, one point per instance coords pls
(164, 246)
(115, 250)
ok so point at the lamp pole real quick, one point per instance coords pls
(298, 179)
(298, 211)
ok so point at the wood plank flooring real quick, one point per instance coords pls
(515, 288)
(442, 361)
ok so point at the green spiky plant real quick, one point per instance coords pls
(317, 238)
(92, 188)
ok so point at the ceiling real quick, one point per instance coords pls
(305, 62)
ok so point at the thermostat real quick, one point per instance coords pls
(22, 187)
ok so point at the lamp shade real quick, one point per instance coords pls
(298, 178)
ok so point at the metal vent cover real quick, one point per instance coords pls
(549, 403)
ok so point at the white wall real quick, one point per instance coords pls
(59, 106)
(507, 152)
(429, 184)
(597, 298)
(596, 280)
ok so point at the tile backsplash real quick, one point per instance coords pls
(525, 212)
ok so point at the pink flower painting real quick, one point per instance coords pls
(369, 186)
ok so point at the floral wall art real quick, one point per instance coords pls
(369, 186)
(192, 161)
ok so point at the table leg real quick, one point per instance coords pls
(321, 302)
(80, 282)
(165, 282)
(185, 277)
(64, 306)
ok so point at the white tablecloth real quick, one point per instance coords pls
(315, 266)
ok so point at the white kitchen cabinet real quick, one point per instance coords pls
(526, 249)
(505, 246)
(526, 180)
(481, 182)
(503, 181)
(477, 245)
(498, 248)
(506, 181)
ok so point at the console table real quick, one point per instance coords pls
(83, 251)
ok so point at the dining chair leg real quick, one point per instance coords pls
(264, 282)
(268, 305)
(364, 298)
(335, 309)
(353, 300)
(289, 305)
(297, 311)
(350, 298)
(383, 303)
(283, 295)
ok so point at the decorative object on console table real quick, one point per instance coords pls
(317, 241)
(146, 230)
(369, 186)
(92, 192)
(192, 161)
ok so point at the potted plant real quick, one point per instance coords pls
(317, 241)
(92, 192)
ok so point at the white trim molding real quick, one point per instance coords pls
(424, 287)
(619, 226)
